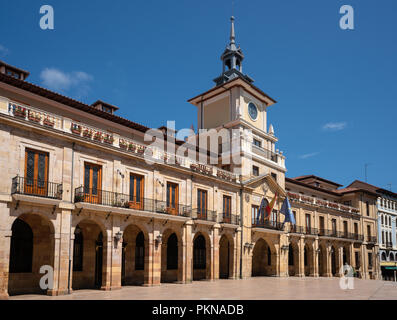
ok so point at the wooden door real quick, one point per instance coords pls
(172, 198)
(92, 183)
(36, 172)
(136, 192)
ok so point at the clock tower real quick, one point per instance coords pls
(236, 104)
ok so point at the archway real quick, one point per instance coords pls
(384, 256)
(170, 257)
(135, 253)
(89, 252)
(226, 258)
(32, 246)
(322, 261)
(201, 257)
(333, 261)
(263, 264)
(293, 259)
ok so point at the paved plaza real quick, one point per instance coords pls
(260, 288)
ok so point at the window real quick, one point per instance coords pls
(369, 232)
(227, 206)
(308, 223)
(334, 226)
(21, 253)
(199, 254)
(290, 255)
(322, 227)
(92, 182)
(254, 213)
(255, 171)
(357, 257)
(367, 206)
(12, 74)
(36, 172)
(201, 202)
(345, 228)
(136, 191)
(382, 219)
(226, 167)
(356, 228)
(274, 176)
(348, 203)
(274, 216)
(172, 198)
(78, 250)
(257, 143)
(107, 109)
(294, 213)
(383, 237)
(140, 252)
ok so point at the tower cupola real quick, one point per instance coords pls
(232, 60)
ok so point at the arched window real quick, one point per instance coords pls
(391, 256)
(78, 250)
(384, 256)
(21, 254)
(140, 252)
(290, 256)
(172, 252)
(199, 255)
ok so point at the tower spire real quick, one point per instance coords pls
(232, 34)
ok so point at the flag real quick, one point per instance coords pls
(261, 210)
(287, 212)
(270, 206)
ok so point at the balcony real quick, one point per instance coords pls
(311, 231)
(371, 239)
(229, 218)
(204, 214)
(340, 234)
(389, 245)
(119, 200)
(297, 229)
(267, 224)
(37, 188)
(267, 154)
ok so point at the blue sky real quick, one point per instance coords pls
(336, 89)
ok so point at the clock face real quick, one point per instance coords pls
(253, 111)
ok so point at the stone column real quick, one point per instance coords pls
(339, 260)
(215, 252)
(186, 256)
(301, 257)
(236, 253)
(283, 255)
(62, 252)
(328, 261)
(314, 272)
(5, 245)
(153, 260)
(107, 261)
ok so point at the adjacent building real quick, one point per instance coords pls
(386, 213)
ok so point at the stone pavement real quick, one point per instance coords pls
(259, 288)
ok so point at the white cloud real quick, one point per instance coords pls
(3, 51)
(58, 80)
(308, 155)
(335, 126)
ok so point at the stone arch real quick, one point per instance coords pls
(92, 252)
(384, 258)
(264, 258)
(201, 256)
(308, 258)
(334, 266)
(322, 260)
(135, 254)
(171, 256)
(34, 250)
(226, 256)
(391, 256)
(293, 259)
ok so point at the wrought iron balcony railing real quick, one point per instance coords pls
(119, 200)
(267, 224)
(311, 231)
(371, 239)
(204, 214)
(37, 188)
(297, 229)
(230, 218)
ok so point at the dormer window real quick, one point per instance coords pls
(107, 109)
(12, 74)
